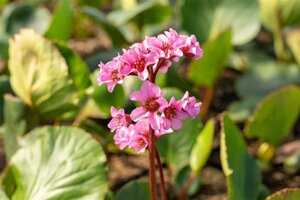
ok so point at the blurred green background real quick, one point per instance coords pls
(248, 130)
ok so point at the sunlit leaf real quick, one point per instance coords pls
(285, 12)
(206, 70)
(39, 75)
(202, 148)
(285, 194)
(242, 172)
(208, 18)
(62, 21)
(293, 40)
(57, 163)
(275, 116)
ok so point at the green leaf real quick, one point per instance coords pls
(2, 3)
(286, 11)
(114, 32)
(62, 21)
(148, 12)
(182, 177)
(205, 71)
(170, 92)
(285, 194)
(78, 69)
(202, 148)
(242, 172)
(4, 88)
(134, 190)
(175, 148)
(14, 124)
(275, 116)
(57, 163)
(208, 18)
(264, 78)
(39, 75)
(26, 16)
(104, 99)
(293, 40)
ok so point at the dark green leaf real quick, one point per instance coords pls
(4, 88)
(104, 99)
(57, 163)
(242, 172)
(78, 70)
(265, 77)
(148, 12)
(207, 18)
(14, 124)
(112, 31)
(275, 116)
(205, 71)
(175, 148)
(26, 16)
(134, 190)
(62, 21)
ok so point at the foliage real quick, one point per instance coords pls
(49, 56)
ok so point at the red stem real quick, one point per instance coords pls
(161, 176)
(152, 177)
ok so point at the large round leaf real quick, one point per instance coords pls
(57, 163)
(285, 194)
(39, 75)
(207, 18)
(275, 116)
(134, 190)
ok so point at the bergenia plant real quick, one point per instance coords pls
(155, 116)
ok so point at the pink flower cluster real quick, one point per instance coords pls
(155, 112)
(156, 53)
(145, 60)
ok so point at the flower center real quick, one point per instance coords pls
(118, 120)
(170, 112)
(151, 104)
(115, 75)
(139, 65)
(141, 142)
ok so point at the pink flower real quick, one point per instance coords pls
(119, 119)
(110, 74)
(123, 136)
(190, 106)
(139, 143)
(138, 59)
(150, 96)
(172, 114)
(190, 47)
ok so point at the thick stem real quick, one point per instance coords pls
(186, 187)
(207, 99)
(161, 176)
(152, 177)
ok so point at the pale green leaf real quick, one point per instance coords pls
(202, 148)
(275, 116)
(285, 194)
(57, 163)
